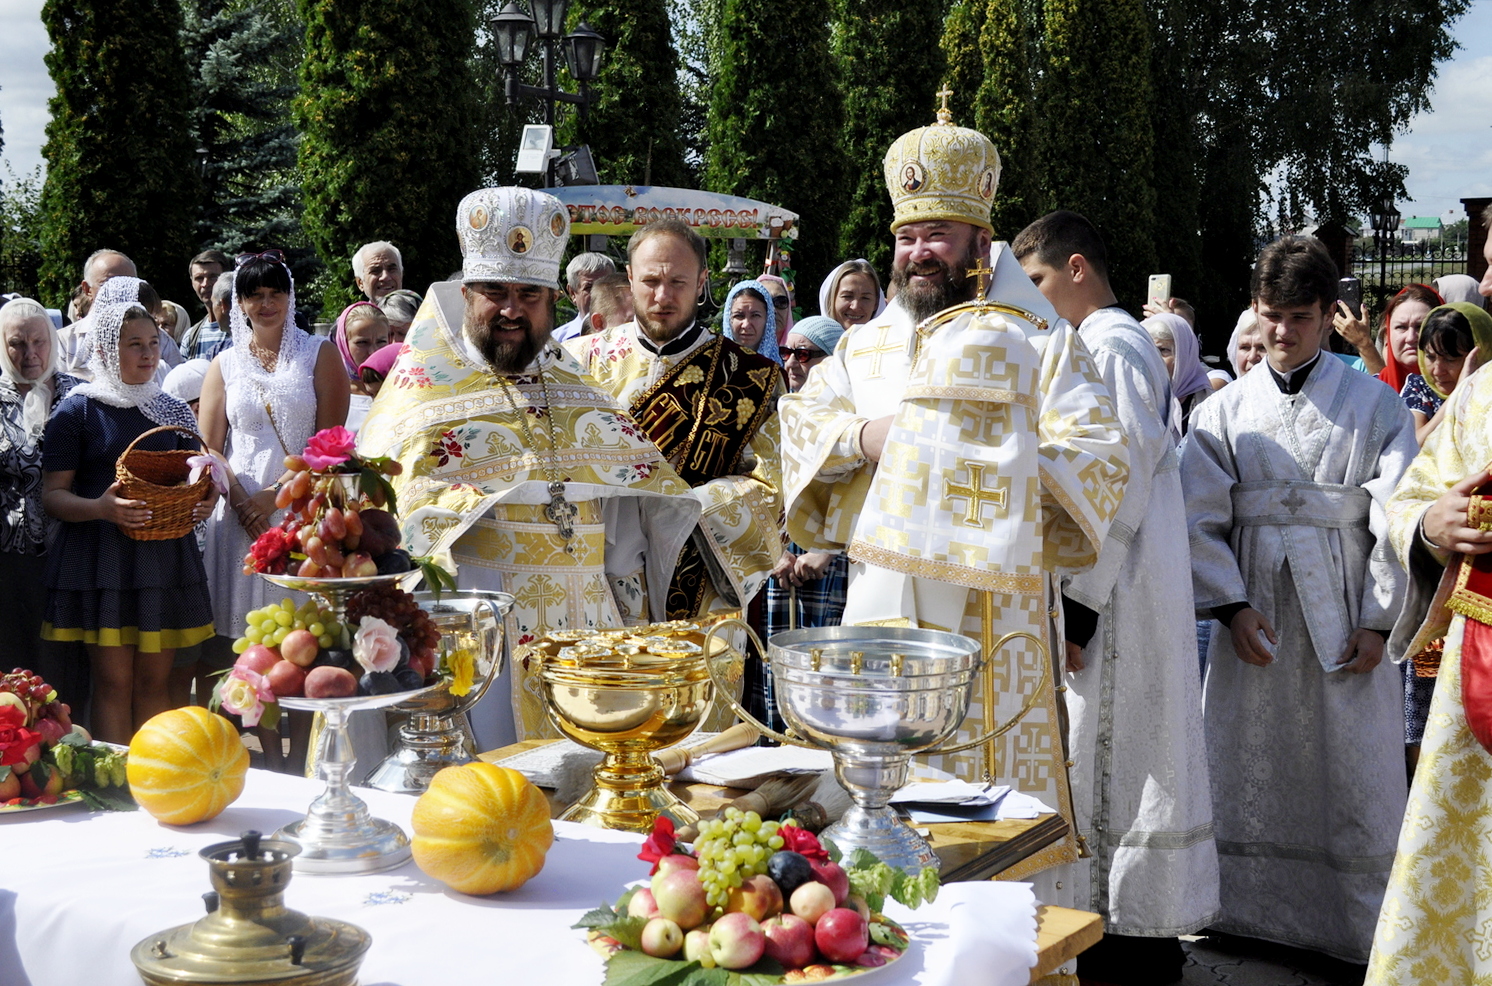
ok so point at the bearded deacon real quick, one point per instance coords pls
(948, 457)
(710, 407)
(516, 467)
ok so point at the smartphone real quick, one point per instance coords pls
(1349, 289)
(1160, 291)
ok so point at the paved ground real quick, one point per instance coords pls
(1222, 960)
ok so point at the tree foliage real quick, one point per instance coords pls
(388, 124)
(119, 148)
(877, 40)
(245, 59)
(633, 127)
(774, 113)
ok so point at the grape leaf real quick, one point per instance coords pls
(627, 930)
(766, 972)
(629, 968)
(890, 934)
(597, 918)
(834, 854)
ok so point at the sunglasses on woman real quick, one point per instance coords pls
(273, 256)
(804, 354)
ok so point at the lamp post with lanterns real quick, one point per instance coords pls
(515, 32)
(1385, 219)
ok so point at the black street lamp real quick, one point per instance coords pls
(1385, 219)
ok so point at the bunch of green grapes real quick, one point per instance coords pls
(733, 849)
(271, 624)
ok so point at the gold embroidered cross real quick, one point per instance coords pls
(975, 493)
(875, 352)
(981, 272)
(945, 115)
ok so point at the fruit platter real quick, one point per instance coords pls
(45, 759)
(755, 902)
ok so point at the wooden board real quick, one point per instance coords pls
(1061, 934)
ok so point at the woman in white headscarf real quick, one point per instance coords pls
(31, 385)
(1246, 345)
(851, 294)
(1177, 343)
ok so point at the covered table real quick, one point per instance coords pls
(78, 889)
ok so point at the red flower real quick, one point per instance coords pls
(661, 843)
(803, 842)
(271, 552)
(329, 447)
(17, 743)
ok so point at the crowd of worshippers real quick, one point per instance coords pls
(1251, 519)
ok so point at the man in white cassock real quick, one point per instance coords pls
(979, 452)
(1139, 775)
(1286, 474)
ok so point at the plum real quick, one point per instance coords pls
(380, 532)
(329, 682)
(379, 683)
(789, 870)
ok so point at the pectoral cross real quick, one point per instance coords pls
(561, 514)
(975, 493)
(981, 272)
(945, 115)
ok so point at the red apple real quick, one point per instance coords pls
(330, 682)
(758, 896)
(680, 897)
(642, 904)
(257, 658)
(841, 935)
(789, 940)
(662, 938)
(812, 901)
(299, 647)
(676, 861)
(423, 661)
(11, 786)
(833, 876)
(286, 678)
(359, 565)
(736, 941)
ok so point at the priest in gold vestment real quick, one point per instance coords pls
(710, 407)
(517, 469)
(974, 453)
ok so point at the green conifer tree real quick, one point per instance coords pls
(774, 114)
(388, 124)
(633, 127)
(1094, 144)
(119, 147)
(246, 59)
(1004, 111)
(877, 40)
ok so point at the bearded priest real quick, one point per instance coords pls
(517, 469)
(957, 457)
(710, 407)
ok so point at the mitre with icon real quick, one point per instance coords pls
(512, 234)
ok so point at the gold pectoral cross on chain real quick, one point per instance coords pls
(561, 514)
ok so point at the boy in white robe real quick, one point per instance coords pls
(1286, 476)
(1139, 774)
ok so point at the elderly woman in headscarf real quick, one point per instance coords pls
(31, 385)
(812, 581)
(1459, 287)
(851, 294)
(782, 303)
(400, 307)
(1177, 343)
(748, 318)
(1246, 345)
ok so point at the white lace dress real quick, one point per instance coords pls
(257, 455)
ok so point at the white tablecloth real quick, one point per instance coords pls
(79, 889)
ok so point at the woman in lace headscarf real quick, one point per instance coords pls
(31, 385)
(133, 603)
(263, 399)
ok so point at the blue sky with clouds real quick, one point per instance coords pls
(1448, 149)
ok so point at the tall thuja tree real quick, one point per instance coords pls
(1175, 78)
(1096, 129)
(877, 40)
(246, 58)
(119, 142)
(1005, 112)
(774, 114)
(388, 124)
(633, 127)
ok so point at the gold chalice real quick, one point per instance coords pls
(626, 693)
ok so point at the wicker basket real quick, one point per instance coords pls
(160, 479)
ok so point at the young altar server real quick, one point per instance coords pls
(1139, 774)
(1286, 475)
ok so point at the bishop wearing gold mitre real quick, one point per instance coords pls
(973, 453)
(517, 469)
(710, 406)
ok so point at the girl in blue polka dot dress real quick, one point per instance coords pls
(131, 602)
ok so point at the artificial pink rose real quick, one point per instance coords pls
(245, 693)
(18, 745)
(329, 447)
(376, 645)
